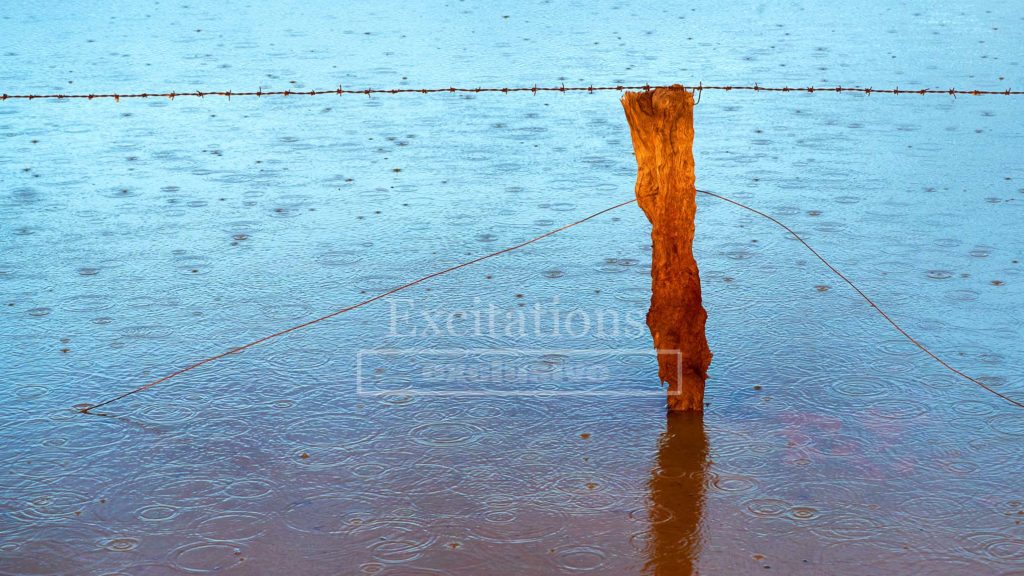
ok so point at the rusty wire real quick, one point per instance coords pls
(700, 88)
(88, 408)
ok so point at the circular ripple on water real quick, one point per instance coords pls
(331, 430)
(845, 526)
(1006, 549)
(166, 414)
(192, 264)
(369, 470)
(837, 445)
(432, 414)
(933, 507)
(964, 295)
(151, 332)
(87, 303)
(50, 549)
(731, 482)
(321, 458)
(291, 359)
(156, 513)
(754, 462)
(559, 206)
(31, 392)
(53, 504)
(639, 296)
(446, 433)
(737, 251)
(143, 302)
(395, 398)
(862, 387)
(226, 427)
(373, 283)
(993, 547)
(171, 213)
(232, 526)
(847, 199)
(421, 480)
(120, 192)
(652, 513)
(899, 348)
(206, 557)
(45, 465)
(590, 493)
(1011, 424)
(972, 407)
(120, 544)
(981, 251)
(553, 273)
(961, 467)
(617, 265)
(830, 227)
(898, 409)
(579, 558)
(286, 211)
(247, 227)
(518, 525)
(768, 507)
(332, 514)
(187, 491)
(248, 489)
(802, 513)
(486, 409)
(396, 540)
(286, 311)
(93, 436)
(336, 258)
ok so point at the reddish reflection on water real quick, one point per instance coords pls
(677, 493)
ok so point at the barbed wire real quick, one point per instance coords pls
(340, 91)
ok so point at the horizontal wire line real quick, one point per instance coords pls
(506, 90)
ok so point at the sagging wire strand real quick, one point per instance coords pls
(88, 409)
(866, 298)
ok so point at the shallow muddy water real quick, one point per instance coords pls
(406, 437)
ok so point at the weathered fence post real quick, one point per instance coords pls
(661, 124)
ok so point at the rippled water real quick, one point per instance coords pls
(138, 237)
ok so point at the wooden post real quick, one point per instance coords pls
(661, 124)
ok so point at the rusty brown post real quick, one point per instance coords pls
(661, 124)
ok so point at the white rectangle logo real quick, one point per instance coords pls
(511, 372)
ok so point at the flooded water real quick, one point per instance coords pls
(406, 437)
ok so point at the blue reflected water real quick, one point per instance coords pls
(139, 237)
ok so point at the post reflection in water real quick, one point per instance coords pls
(676, 504)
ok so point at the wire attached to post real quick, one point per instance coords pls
(867, 299)
(914, 341)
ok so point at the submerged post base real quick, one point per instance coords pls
(661, 125)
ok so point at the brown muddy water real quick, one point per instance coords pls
(505, 419)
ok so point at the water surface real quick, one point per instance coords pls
(138, 237)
